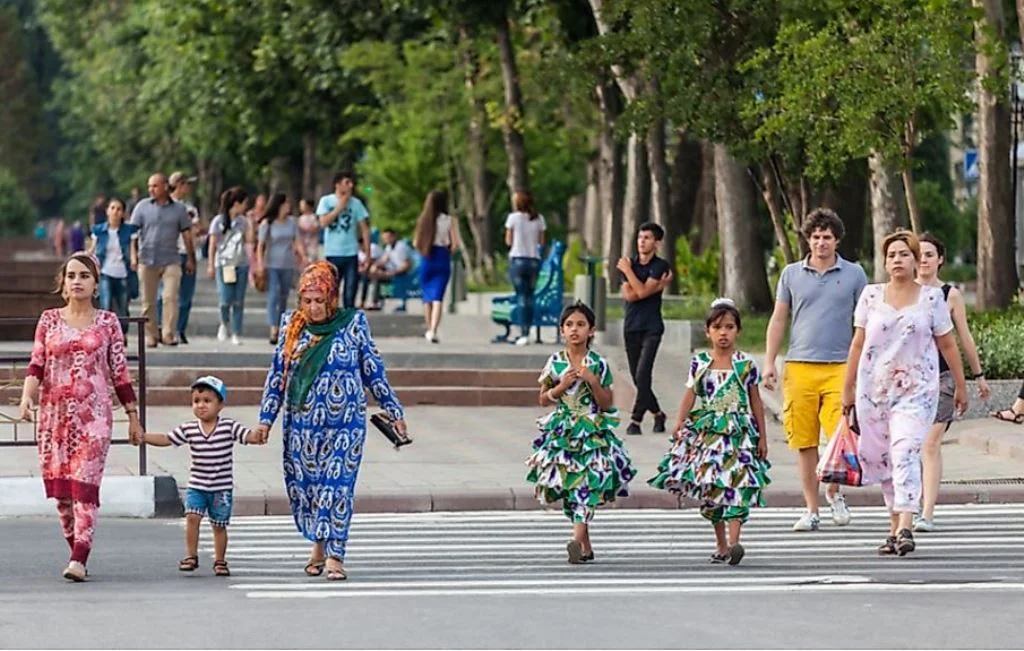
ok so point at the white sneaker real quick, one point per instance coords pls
(807, 522)
(222, 333)
(523, 341)
(236, 340)
(429, 335)
(840, 512)
(922, 524)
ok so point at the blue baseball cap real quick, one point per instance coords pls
(214, 383)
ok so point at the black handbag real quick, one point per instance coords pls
(386, 426)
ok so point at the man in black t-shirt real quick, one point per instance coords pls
(644, 277)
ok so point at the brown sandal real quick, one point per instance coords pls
(315, 567)
(220, 568)
(1009, 416)
(188, 564)
(336, 574)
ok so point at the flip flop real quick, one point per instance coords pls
(337, 574)
(736, 553)
(575, 551)
(1016, 418)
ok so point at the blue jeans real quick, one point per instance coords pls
(232, 298)
(186, 292)
(114, 296)
(279, 285)
(348, 273)
(523, 274)
(215, 503)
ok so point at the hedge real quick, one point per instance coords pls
(999, 335)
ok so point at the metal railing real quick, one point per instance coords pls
(18, 365)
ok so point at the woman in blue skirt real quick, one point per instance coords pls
(436, 238)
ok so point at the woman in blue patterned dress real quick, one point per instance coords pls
(320, 367)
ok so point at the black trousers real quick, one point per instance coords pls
(641, 349)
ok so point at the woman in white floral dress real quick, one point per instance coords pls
(892, 377)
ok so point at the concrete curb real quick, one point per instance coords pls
(126, 497)
(996, 441)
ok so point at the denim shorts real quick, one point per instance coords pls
(215, 503)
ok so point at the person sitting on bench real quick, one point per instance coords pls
(396, 261)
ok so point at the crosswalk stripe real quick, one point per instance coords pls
(977, 547)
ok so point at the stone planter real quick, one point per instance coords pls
(1004, 392)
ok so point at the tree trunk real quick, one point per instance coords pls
(776, 208)
(629, 84)
(637, 180)
(211, 184)
(703, 237)
(909, 192)
(742, 263)
(686, 179)
(848, 198)
(515, 146)
(591, 227)
(278, 175)
(609, 238)
(660, 199)
(997, 267)
(885, 213)
(478, 208)
(309, 166)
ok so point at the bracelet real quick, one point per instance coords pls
(978, 376)
(551, 396)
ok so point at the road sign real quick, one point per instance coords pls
(971, 172)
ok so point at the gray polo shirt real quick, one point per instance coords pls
(821, 309)
(158, 231)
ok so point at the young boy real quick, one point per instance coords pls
(211, 440)
(644, 277)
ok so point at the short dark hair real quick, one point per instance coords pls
(657, 231)
(342, 175)
(823, 219)
(390, 230)
(207, 387)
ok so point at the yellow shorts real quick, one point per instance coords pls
(812, 400)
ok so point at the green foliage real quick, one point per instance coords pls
(850, 78)
(22, 133)
(697, 274)
(941, 218)
(998, 335)
(17, 212)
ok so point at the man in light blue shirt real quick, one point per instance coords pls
(341, 214)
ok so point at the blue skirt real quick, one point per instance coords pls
(435, 270)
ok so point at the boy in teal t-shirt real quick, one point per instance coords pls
(344, 220)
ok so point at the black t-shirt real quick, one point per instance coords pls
(645, 315)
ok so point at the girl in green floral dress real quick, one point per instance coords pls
(720, 451)
(577, 458)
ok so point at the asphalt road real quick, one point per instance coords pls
(499, 580)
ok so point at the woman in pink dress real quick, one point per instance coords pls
(892, 376)
(77, 356)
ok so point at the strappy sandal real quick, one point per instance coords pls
(188, 564)
(888, 548)
(718, 559)
(905, 542)
(315, 567)
(736, 553)
(587, 558)
(1008, 416)
(336, 574)
(220, 568)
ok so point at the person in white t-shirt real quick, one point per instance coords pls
(524, 234)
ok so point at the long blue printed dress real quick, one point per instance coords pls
(323, 440)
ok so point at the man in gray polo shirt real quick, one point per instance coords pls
(817, 295)
(160, 220)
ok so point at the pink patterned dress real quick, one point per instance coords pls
(76, 369)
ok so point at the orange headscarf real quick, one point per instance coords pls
(321, 277)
